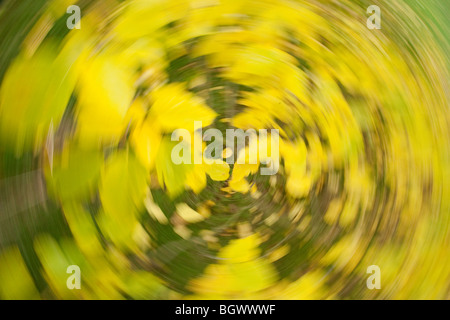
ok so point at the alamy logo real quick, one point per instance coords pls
(374, 21)
(374, 281)
(73, 22)
(73, 281)
(253, 147)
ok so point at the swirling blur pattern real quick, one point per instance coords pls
(86, 176)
